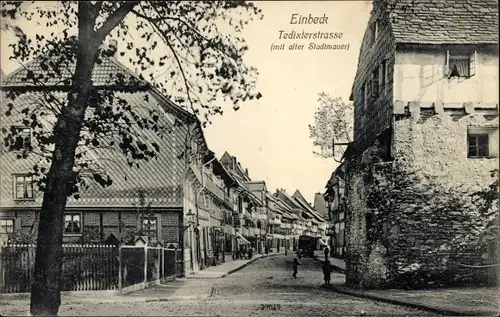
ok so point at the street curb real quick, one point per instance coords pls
(338, 268)
(436, 310)
(440, 311)
(248, 263)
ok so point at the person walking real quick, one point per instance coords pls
(327, 272)
(327, 252)
(295, 267)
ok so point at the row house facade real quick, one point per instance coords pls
(322, 207)
(184, 198)
(308, 224)
(281, 235)
(252, 217)
(425, 100)
(147, 199)
(336, 200)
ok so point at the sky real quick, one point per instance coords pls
(270, 136)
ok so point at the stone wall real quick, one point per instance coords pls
(413, 219)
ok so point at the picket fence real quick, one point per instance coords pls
(91, 267)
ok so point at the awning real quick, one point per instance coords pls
(241, 240)
(322, 243)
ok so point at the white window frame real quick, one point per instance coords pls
(25, 185)
(146, 229)
(3, 224)
(72, 215)
(472, 58)
(492, 144)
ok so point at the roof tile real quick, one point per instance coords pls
(160, 177)
(449, 22)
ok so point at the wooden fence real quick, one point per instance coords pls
(91, 267)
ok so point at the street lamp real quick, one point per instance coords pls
(190, 218)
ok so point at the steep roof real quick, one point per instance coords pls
(160, 178)
(232, 164)
(105, 74)
(258, 188)
(320, 205)
(288, 200)
(302, 201)
(246, 190)
(445, 21)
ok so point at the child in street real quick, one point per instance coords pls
(327, 271)
(295, 267)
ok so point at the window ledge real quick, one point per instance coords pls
(483, 157)
(24, 199)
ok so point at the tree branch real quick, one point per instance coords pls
(114, 19)
(177, 59)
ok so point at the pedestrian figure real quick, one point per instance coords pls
(299, 253)
(327, 252)
(327, 271)
(295, 267)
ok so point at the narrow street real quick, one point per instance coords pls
(264, 288)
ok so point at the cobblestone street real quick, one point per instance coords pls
(264, 288)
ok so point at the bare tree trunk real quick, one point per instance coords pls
(46, 288)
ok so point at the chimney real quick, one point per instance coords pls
(246, 171)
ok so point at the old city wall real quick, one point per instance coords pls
(413, 219)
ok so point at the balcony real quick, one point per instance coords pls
(212, 185)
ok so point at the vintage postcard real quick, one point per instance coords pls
(249, 158)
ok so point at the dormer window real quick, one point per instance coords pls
(460, 65)
(23, 187)
(23, 138)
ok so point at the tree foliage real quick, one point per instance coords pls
(333, 123)
(201, 65)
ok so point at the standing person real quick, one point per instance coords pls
(327, 271)
(327, 252)
(295, 267)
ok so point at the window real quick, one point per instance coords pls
(240, 205)
(23, 187)
(460, 65)
(150, 228)
(383, 75)
(23, 138)
(374, 32)
(482, 141)
(363, 96)
(6, 225)
(73, 223)
(375, 82)
(368, 91)
(478, 145)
